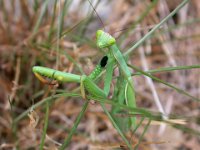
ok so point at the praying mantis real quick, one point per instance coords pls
(104, 40)
(86, 82)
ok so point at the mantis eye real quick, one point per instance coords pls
(104, 61)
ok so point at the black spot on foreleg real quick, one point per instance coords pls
(104, 61)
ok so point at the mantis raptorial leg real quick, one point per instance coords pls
(86, 81)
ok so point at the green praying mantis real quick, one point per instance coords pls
(104, 40)
(124, 92)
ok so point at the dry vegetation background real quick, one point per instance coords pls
(25, 43)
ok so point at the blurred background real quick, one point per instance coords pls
(60, 34)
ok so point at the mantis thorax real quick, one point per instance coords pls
(104, 39)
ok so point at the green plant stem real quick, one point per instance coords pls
(166, 83)
(148, 35)
(48, 99)
(141, 137)
(45, 126)
(116, 126)
(167, 69)
(77, 121)
(43, 10)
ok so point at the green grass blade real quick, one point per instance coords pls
(167, 69)
(50, 34)
(36, 5)
(138, 125)
(48, 99)
(78, 119)
(60, 27)
(140, 18)
(169, 85)
(142, 111)
(170, 28)
(141, 137)
(186, 129)
(62, 16)
(43, 10)
(148, 35)
(116, 126)
(45, 126)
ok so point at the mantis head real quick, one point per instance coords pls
(104, 39)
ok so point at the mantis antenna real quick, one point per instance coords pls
(97, 15)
